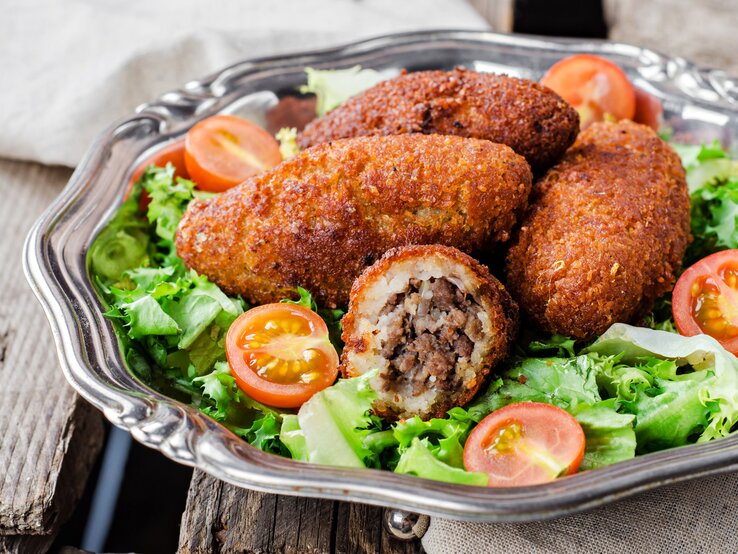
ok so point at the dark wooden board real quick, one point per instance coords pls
(226, 519)
(25, 544)
(49, 437)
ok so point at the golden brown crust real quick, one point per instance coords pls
(605, 233)
(494, 299)
(320, 218)
(530, 118)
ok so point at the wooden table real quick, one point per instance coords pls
(223, 518)
(50, 438)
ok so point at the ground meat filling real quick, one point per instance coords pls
(431, 329)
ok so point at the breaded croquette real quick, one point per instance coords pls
(319, 219)
(605, 233)
(434, 322)
(530, 118)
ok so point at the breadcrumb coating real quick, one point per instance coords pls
(319, 219)
(527, 116)
(605, 232)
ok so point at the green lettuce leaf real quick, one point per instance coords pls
(563, 382)
(705, 163)
(293, 438)
(714, 215)
(699, 389)
(563, 346)
(194, 311)
(169, 200)
(419, 460)
(265, 433)
(146, 317)
(220, 386)
(205, 350)
(671, 414)
(609, 436)
(570, 383)
(434, 449)
(123, 244)
(445, 437)
(333, 424)
(332, 87)
(712, 178)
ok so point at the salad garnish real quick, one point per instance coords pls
(632, 391)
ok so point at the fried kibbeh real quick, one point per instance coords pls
(605, 232)
(530, 118)
(319, 219)
(434, 322)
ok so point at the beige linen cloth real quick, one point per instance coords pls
(69, 68)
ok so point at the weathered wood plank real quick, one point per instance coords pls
(226, 519)
(359, 530)
(49, 437)
(25, 544)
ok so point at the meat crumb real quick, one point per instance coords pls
(432, 325)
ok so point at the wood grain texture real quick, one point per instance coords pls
(222, 518)
(49, 437)
(25, 544)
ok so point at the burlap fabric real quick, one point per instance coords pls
(698, 516)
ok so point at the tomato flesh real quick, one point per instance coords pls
(525, 443)
(649, 110)
(280, 354)
(596, 87)
(224, 150)
(705, 299)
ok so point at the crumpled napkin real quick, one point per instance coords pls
(70, 68)
(699, 516)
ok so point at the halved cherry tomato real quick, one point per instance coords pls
(595, 86)
(280, 354)
(224, 150)
(172, 153)
(705, 299)
(525, 443)
(649, 110)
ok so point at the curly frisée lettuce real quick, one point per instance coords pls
(712, 177)
(570, 383)
(434, 449)
(705, 164)
(172, 322)
(681, 388)
(287, 137)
